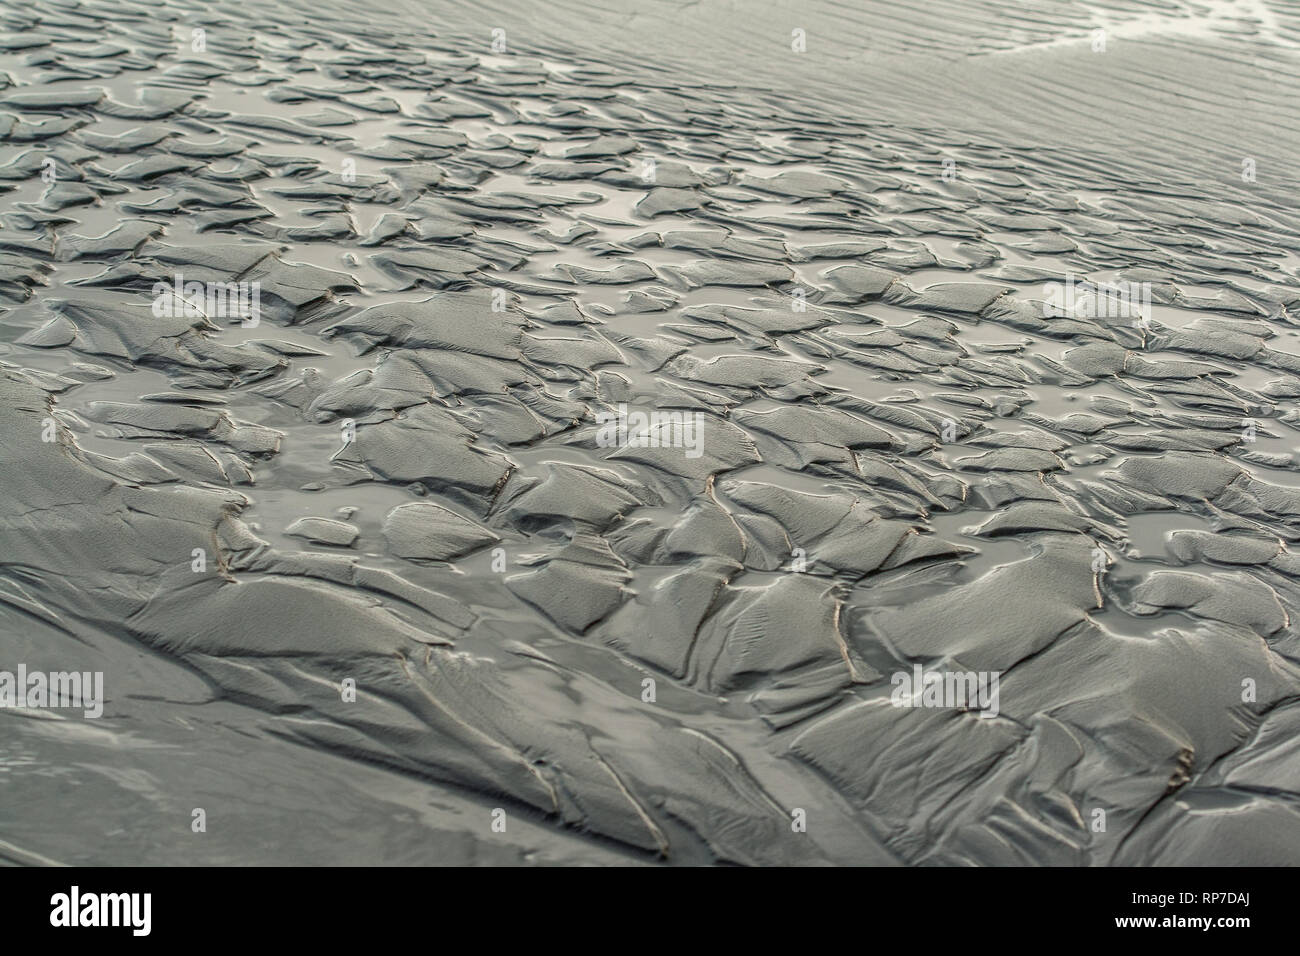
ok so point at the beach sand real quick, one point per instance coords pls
(762, 433)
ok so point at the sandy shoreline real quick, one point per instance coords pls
(565, 459)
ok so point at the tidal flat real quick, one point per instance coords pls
(513, 434)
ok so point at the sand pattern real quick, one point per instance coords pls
(907, 397)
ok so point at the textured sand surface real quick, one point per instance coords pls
(368, 583)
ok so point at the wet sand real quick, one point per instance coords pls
(371, 580)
